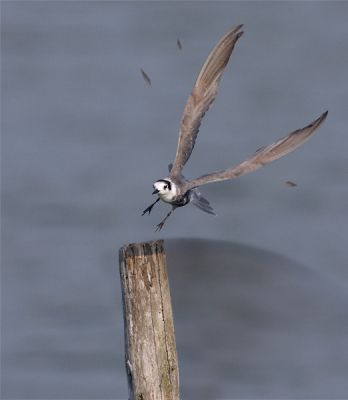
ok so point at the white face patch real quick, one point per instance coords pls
(166, 190)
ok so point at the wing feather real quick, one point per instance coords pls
(264, 155)
(202, 97)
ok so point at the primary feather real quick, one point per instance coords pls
(264, 155)
(202, 97)
(175, 189)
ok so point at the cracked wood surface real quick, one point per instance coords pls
(151, 358)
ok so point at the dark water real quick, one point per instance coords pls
(84, 138)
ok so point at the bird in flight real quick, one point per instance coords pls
(178, 191)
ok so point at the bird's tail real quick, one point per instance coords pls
(200, 202)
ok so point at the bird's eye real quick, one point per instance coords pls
(165, 187)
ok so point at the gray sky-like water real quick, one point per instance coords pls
(84, 138)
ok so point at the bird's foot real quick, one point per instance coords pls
(159, 226)
(149, 209)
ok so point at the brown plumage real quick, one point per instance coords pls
(203, 96)
(264, 155)
(178, 191)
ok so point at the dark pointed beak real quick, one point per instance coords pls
(155, 191)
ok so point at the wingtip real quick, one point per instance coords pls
(323, 116)
(313, 126)
(235, 30)
(234, 33)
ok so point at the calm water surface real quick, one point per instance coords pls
(84, 138)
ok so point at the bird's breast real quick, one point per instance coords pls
(182, 200)
(167, 197)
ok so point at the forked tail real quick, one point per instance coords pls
(200, 202)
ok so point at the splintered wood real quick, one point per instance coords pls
(151, 358)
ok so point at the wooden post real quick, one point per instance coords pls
(151, 359)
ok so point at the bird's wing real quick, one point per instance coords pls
(263, 156)
(202, 97)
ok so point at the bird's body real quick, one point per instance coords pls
(172, 190)
(175, 189)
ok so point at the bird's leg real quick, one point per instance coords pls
(149, 208)
(159, 226)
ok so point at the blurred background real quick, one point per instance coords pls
(260, 292)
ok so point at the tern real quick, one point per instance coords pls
(178, 191)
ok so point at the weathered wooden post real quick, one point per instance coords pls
(151, 359)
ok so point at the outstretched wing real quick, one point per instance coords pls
(264, 155)
(202, 97)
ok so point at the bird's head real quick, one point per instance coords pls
(165, 189)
